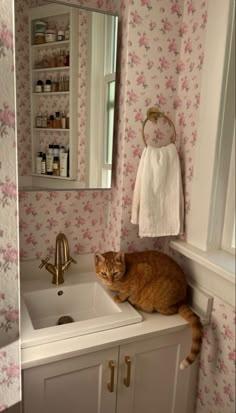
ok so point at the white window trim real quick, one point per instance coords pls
(229, 231)
(212, 110)
(95, 88)
(207, 265)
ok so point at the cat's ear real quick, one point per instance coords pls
(120, 257)
(98, 259)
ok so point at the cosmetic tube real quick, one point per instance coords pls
(49, 164)
(63, 163)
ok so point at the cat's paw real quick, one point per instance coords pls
(117, 299)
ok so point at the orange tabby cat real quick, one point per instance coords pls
(151, 281)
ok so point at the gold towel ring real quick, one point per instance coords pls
(153, 114)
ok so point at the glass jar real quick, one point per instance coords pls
(60, 35)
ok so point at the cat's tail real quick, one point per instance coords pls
(197, 332)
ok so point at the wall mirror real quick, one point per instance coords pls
(65, 82)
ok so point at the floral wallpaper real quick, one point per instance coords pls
(9, 288)
(160, 64)
(216, 391)
(45, 214)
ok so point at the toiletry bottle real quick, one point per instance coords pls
(60, 35)
(43, 164)
(57, 84)
(38, 162)
(56, 161)
(63, 164)
(54, 81)
(68, 161)
(50, 121)
(61, 59)
(67, 58)
(38, 120)
(58, 120)
(61, 85)
(48, 86)
(45, 120)
(63, 120)
(49, 160)
(39, 86)
(67, 32)
(66, 83)
(68, 121)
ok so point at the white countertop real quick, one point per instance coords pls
(152, 325)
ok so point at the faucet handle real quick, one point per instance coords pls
(68, 263)
(44, 262)
(72, 260)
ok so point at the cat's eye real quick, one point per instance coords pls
(104, 274)
(115, 273)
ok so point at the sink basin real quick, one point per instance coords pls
(85, 306)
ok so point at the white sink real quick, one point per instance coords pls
(84, 299)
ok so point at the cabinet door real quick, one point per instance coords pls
(153, 381)
(73, 385)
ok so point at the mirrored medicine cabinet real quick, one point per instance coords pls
(65, 82)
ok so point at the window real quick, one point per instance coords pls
(103, 46)
(109, 102)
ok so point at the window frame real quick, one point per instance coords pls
(228, 237)
(212, 152)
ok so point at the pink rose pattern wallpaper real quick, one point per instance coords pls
(9, 287)
(160, 64)
(162, 53)
(216, 391)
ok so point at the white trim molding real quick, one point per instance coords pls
(213, 272)
(212, 155)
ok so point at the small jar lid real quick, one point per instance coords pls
(60, 32)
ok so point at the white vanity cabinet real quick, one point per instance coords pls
(77, 384)
(138, 377)
(150, 379)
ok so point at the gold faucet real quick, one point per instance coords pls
(62, 260)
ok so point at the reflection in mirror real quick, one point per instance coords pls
(65, 81)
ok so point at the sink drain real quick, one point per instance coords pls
(65, 319)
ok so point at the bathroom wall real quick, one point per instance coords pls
(216, 390)
(161, 64)
(9, 280)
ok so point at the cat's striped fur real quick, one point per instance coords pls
(151, 281)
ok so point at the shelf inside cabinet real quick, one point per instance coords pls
(52, 129)
(50, 93)
(52, 176)
(50, 44)
(52, 69)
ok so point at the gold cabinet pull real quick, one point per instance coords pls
(110, 385)
(128, 364)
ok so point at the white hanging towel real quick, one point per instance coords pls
(158, 194)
